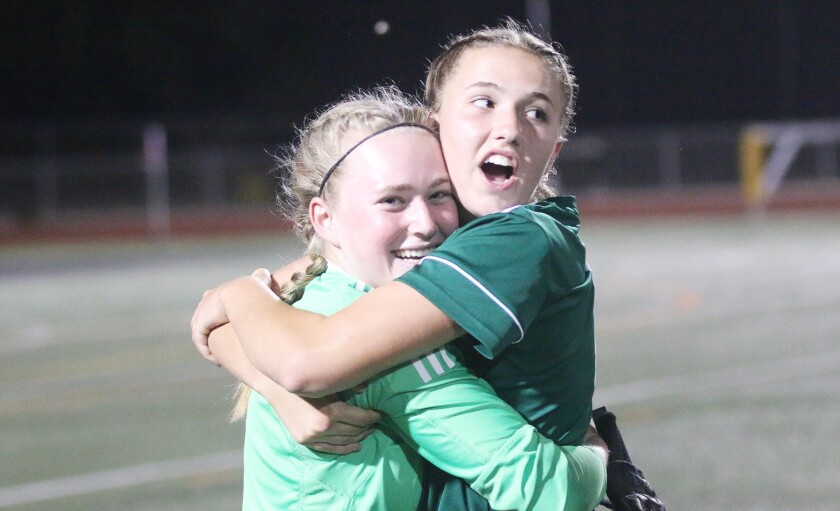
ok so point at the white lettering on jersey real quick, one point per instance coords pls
(421, 370)
(432, 358)
(445, 356)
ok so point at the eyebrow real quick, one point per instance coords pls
(400, 188)
(440, 181)
(495, 86)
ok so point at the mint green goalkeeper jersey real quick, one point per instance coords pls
(433, 406)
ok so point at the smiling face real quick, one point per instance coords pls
(391, 204)
(500, 129)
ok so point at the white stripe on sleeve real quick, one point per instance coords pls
(483, 289)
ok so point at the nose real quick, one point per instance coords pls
(423, 222)
(507, 125)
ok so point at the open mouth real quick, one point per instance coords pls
(498, 168)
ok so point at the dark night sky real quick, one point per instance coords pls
(637, 62)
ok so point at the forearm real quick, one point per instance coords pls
(325, 424)
(225, 346)
(310, 354)
(505, 460)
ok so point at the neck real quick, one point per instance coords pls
(465, 216)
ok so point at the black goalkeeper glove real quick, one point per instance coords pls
(627, 488)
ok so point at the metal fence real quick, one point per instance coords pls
(48, 170)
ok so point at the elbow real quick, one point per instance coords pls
(303, 376)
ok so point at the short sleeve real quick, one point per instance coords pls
(489, 277)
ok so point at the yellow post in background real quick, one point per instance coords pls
(753, 155)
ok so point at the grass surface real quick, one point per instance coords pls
(718, 348)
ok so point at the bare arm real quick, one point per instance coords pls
(229, 354)
(310, 354)
(283, 274)
(325, 424)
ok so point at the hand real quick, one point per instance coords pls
(325, 424)
(627, 488)
(267, 278)
(210, 313)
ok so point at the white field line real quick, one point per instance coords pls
(119, 478)
(756, 374)
(742, 376)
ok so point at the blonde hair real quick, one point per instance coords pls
(302, 167)
(512, 34)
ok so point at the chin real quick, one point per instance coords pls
(495, 205)
(402, 266)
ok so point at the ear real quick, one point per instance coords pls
(557, 148)
(433, 116)
(554, 154)
(323, 221)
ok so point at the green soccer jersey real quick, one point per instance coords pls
(518, 283)
(280, 474)
(432, 405)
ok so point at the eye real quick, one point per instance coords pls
(393, 203)
(440, 195)
(392, 200)
(483, 102)
(537, 114)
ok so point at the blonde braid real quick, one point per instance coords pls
(290, 292)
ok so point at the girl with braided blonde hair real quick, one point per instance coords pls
(304, 166)
(369, 192)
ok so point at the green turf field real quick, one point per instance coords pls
(718, 347)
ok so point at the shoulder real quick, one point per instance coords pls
(551, 221)
(551, 215)
(330, 292)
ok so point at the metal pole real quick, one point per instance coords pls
(538, 13)
(668, 147)
(46, 178)
(156, 168)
